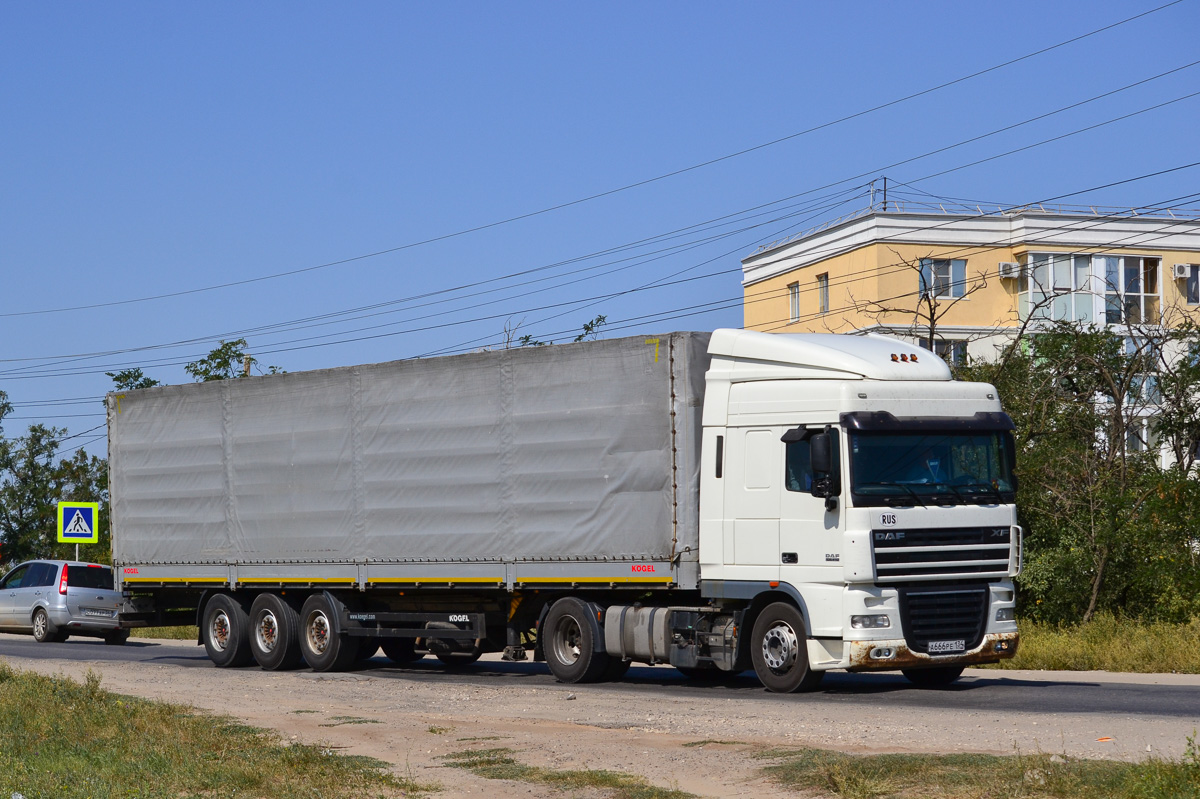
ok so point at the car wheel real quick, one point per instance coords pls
(779, 649)
(43, 630)
(225, 630)
(274, 633)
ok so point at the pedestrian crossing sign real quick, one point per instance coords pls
(77, 522)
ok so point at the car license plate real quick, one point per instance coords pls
(104, 614)
(947, 647)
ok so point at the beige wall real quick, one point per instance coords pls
(877, 284)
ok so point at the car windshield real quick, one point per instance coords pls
(90, 577)
(918, 468)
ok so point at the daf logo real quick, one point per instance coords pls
(890, 535)
(998, 532)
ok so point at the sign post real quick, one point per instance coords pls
(78, 523)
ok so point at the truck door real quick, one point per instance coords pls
(753, 474)
(810, 539)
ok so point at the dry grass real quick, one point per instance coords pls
(1109, 644)
(971, 776)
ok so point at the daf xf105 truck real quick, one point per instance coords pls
(716, 502)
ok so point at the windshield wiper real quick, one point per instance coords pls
(892, 484)
(986, 490)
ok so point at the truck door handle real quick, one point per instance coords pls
(790, 557)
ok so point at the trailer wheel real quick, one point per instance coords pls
(225, 629)
(937, 677)
(274, 633)
(569, 644)
(367, 647)
(779, 650)
(401, 650)
(323, 649)
(116, 638)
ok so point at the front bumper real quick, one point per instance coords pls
(991, 649)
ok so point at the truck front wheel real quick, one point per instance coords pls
(274, 633)
(779, 649)
(225, 629)
(320, 644)
(569, 644)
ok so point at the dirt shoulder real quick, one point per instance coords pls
(412, 724)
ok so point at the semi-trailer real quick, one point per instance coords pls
(717, 502)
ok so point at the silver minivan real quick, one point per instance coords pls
(57, 598)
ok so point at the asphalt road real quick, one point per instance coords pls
(979, 690)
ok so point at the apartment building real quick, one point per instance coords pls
(962, 281)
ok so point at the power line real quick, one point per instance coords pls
(609, 192)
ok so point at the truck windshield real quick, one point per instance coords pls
(924, 468)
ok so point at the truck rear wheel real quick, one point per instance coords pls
(779, 649)
(570, 645)
(225, 629)
(274, 633)
(937, 677)
(322, 647)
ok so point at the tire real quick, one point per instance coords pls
(225, 630)
(400, 650)
(779, 650)
(569, 644)
(43, 630)
(275, 633)
(116, 638)
(321, 646)
(937, 677)
(367, 647)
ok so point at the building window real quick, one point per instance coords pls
(793, 301)
(1193, 285)
(1120, 289)
(1130, 290)
(943, 277)
(823, 292)
(949, 350)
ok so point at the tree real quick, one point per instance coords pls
(131, 380)
(29, 493)
(1109, 523)
(226, 361)
(591, 330)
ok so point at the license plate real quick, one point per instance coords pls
(947, 647)
(104, 614)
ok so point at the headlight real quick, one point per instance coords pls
(1006, 614)
(872, 622)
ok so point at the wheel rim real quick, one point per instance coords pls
(780, 647)
(567, 640)
(218, 631)
(267, 632)
(317, 632)
(39, 625)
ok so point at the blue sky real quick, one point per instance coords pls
(156, 149)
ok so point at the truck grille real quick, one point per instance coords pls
(944, 615)
(940, 553)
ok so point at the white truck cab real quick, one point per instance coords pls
(851, 476)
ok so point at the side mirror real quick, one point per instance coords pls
(827, 481)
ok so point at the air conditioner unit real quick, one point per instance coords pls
(1183, 271)
(1010, 270)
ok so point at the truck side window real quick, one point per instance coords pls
(798, 466)
(799, 476)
